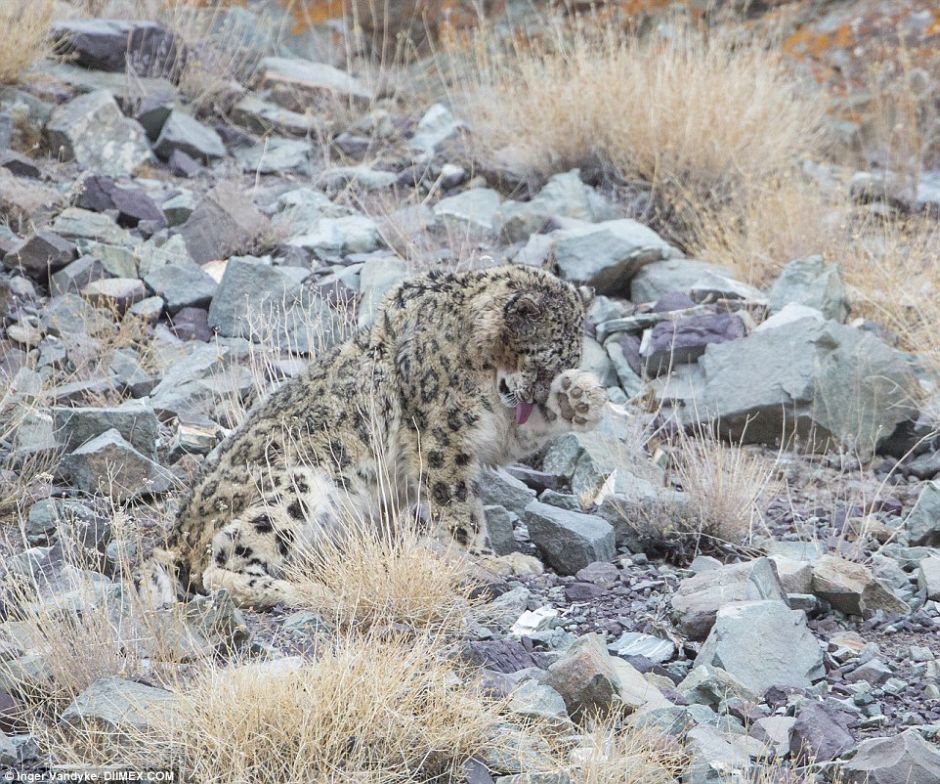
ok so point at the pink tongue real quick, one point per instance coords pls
(523, 410)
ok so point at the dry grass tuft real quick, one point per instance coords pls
(612, 754)
(379, 575)
(726, 486)
(378, 711)
(698, 120)
(26, 36)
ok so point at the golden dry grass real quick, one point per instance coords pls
(695, 119)
(613, 754)
(726, 486)
(26, 36)
(381, 575)
(368, 710)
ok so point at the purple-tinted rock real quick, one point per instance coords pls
(820, 733)
(112, 44)
(674, 300)
(20, 165)
(684, 340)
(537, 480)
(192, 324)
(183, 165)
(583, 592)
(132, 204)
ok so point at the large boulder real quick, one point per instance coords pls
(698, 599)
(659, 278)
(110, 464)
(569, 541)
(92, 130)
(903, 759)
(763, 644)
(260, 301)
(114, 44)
(606, 255)
(184, 133)
(225, 222)
(812, 283)
(852, 588)
(822, 383)
(118, 705)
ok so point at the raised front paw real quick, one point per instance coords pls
(578, 397)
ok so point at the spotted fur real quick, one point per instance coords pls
(409, 409)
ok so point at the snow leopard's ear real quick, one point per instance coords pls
(587, 295)
(522, 310)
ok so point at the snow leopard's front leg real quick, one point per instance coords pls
(576, 402)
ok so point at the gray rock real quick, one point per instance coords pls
(812, 283)
(684, 340)
(920, 194)
(928, 577)
(255, 298)
(294, 83)
(716, 757)
(361, 177)
(903, 759)
(185, 133)
(49, 516)
(713, 686)
(763, 644)
(716, 286)
(275, 155)
(194, 384)
(659, 278)
(78, 224)
(564, 195)
(698, 598)
(474, 210)
(533, 700)
(852, 588)
(134, 420)
(333, 238)
(822, 383)
(820, 733)
(497, 486)
(117, 294)
(40, 255)
(263, 117)
(118, 705)
(499, 529)
(923, 522)
(653, 648)
(585, 677)
(224, 223)
(182, 286)
(9, 755)
(569, 541)
(376, 279)
(606, 255)
(109, 463)
(75, 276)
(436, 125)
(93, 131)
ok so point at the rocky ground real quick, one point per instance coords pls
(164, 263)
